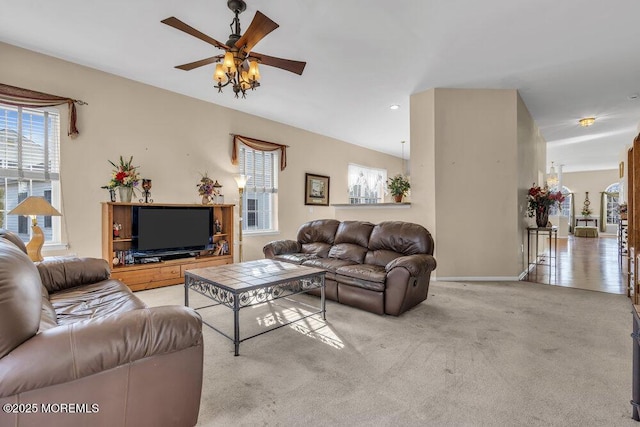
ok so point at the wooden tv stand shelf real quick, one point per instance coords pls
(156, 274)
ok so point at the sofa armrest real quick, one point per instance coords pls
(279, 247)
(66, 353)
(417, 265)
(64, 273)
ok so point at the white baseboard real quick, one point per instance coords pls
(480, 279)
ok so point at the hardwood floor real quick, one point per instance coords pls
(585, 263)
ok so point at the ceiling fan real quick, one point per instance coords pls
(238, 66)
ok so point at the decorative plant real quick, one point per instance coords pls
(205, 187)
(541, 199)
(398, 185)
(124, 174)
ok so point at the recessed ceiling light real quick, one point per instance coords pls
(394, 107)
(587, 121)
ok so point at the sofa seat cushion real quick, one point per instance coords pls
(297, 258)
(328, 264)
(365, 276)
(91, 301)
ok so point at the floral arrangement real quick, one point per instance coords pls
(586, 211)
(124, 174)
(205, 187)
(540, 199)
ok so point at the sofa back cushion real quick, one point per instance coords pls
(68, 272)
(351, 241)
(20, 297)
(13, 238)
(392, 239)
(316, 237)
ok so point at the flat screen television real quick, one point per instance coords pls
(157, 229)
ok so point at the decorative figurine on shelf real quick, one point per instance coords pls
(586, 210)
(146, 186)
(112, 192)
(116, 230)
(217, 197)
(218, 226)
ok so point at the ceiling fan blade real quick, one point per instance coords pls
(179, 25)
(259, 27)
(196, 64)
(285, 64)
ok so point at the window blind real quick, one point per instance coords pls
(29, 143)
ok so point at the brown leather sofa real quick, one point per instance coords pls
(79, 349)
(383, 268)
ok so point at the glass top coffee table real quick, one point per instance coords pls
(247, 284)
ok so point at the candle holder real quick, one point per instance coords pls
(146, 186)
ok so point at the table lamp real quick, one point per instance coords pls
(33, 206)
(242, 182)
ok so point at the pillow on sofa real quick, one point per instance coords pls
(20, 297)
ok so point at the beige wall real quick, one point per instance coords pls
(173, 139)
(594, 182)
(481, 147)
(532, 154)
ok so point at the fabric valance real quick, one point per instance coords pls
(20, 97)
(257, 144)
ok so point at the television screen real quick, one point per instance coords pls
(171, 228)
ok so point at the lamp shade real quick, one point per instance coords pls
(33, 205)
(254, 72)
(219, 75)
(241, 180)
(229, 62)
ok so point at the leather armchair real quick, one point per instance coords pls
(77, 348)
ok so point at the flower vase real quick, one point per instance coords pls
(542, 216)
(125, 194)
(205, 200)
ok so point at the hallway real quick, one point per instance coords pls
(586, 263)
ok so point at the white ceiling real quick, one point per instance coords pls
(569, 59)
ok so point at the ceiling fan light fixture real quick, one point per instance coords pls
(587, 121)
(254, 71)
(229, 62)
(244, 80)
(238, 66)
(219, 75)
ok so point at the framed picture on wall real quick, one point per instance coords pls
(316, 190)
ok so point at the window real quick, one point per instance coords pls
(611, 202)
(29, 165)
(259, 199)
(366, 185)
(564, 209)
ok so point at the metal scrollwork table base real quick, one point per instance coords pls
(246, 284)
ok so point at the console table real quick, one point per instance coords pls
(547, 257)
(587, 221)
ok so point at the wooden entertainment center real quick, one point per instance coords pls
(163, 273)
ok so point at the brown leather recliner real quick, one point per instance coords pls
(384, 268)
(79, 349)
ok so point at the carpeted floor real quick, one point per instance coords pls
(490, 354)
